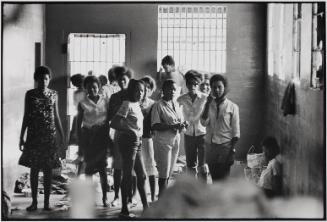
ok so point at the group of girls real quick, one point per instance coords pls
(146, 134)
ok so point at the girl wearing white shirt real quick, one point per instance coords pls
(93, 131)
(221, 118)
(167, 122)
(270, 180)
(129, 122)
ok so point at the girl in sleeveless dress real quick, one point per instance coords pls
(41, 120)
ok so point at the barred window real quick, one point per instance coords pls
(95, 53)
(195, 35)
(318, 45)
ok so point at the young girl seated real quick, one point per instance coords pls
(270, 180)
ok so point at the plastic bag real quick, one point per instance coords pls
(252, 174)
(254, 160)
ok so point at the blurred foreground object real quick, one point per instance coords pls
(82, 193)
(231, 198)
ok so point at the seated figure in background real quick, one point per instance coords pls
(271, 177)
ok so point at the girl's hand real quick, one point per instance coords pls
(209, 99)
(178, 127)
(21, 144)
(185, 124)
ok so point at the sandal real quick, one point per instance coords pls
(132, 203)
(115, 202)
(126, 215)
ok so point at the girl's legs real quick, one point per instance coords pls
(117, 165)
(163, 183)
(47, 175)
(34, 176)
(219, 171)
(132, 197)
(126, 188)
(152, 182)
(117, 184)
(141, 177)
(104, 185)
(202, 171)
(191, 154)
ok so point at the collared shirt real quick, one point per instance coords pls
(132, 112)
(165, 112)
(226, 126)
(192, 113)
(94, 113)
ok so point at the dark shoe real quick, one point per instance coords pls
(47, 208)
(126, 215)
(33, 207)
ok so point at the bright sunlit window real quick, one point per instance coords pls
(195, 35)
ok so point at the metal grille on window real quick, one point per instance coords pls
(95, 53)
(318, 45)
(194, 35)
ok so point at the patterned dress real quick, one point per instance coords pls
(41, 147)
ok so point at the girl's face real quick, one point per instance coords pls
(148, 91)
(139, 92)
(192, 86)
(92, 89)
(205, 86)
(123, 82)
(170, 92)
(44, 81)
(168, 68)
(218, 89)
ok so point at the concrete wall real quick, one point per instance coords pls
(301, 136)
(23, 26)
(245, 69)
(245, 50)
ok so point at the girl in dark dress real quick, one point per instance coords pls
(41, 119)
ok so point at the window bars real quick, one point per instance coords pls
(95, 53)
(195, 35)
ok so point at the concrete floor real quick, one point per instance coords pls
(20, 202)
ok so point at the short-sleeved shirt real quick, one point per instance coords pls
(165, 112)
(223, 128)
(192, 113)
(132, 112)
(94, 113)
